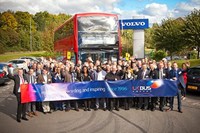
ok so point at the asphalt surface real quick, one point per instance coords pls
(131, 121)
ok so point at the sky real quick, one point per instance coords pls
(154, 10)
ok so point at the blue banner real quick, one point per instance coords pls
(134, 24)
(98, 89)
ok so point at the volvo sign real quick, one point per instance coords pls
(134, 24)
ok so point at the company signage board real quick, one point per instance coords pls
(134, 24)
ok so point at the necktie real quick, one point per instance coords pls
(22, 79)
(160, 77)
(143, 75)
(31, 79)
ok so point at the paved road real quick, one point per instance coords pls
(132, 121)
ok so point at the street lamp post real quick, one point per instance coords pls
(30, 36)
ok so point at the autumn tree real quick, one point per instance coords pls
(7, 20)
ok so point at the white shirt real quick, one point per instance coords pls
(101, 75)
(21, 82)
(45, 78)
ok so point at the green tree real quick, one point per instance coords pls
(167, 36)
(159, 55)
(192, 30)
(9, 39)
(42, 20)
(149, 43)
(127, 42)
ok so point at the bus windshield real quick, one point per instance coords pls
(96, 30)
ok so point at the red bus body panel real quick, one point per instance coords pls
(71, 43)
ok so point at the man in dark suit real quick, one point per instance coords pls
(31, 107)
(176, 74)
(162, 74)
(112, 76)
(19, 79)
(143, 74)
(45, 78)
(153, 74)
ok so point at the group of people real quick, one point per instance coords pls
(52, 71)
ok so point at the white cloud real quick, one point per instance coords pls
(59, 6)
(184, 8)
(155, 9)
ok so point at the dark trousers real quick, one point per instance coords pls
(178, 99)
(127, 103)
(113, 102)
(68, 105)
(31, 107)
(162, 102)
(153, 102)
(87, 103)
(58, 105)
(21, 107)
(143, 100)
(75, 104)
(183, 92)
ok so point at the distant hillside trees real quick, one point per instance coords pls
(22, 31)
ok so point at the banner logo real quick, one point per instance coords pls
(147, 88)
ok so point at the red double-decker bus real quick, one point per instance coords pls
(89, 34)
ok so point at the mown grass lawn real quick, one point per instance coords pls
(15, 55)
(193, 62)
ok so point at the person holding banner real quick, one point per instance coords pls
(86, 77)
(58, 78)
(176, 74)
(100, 75)
(112, 76)
(45, 78)
(31, 78)
(128, 76)
(153, 74)
(70, 76)
(143, 74)
(162, 74)
(19, 80)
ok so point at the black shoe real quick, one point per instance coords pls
(67, 110)
(117, 109)
(95, 109)
(45, 113)
(137, 108)
(153, 109)
(161, 109)
(85, 109)
(180, 111)
(24, 118)
(18, 120)
(104, 109)
(77, 109)
(144, 109)
(49, 112)
(89, 109)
